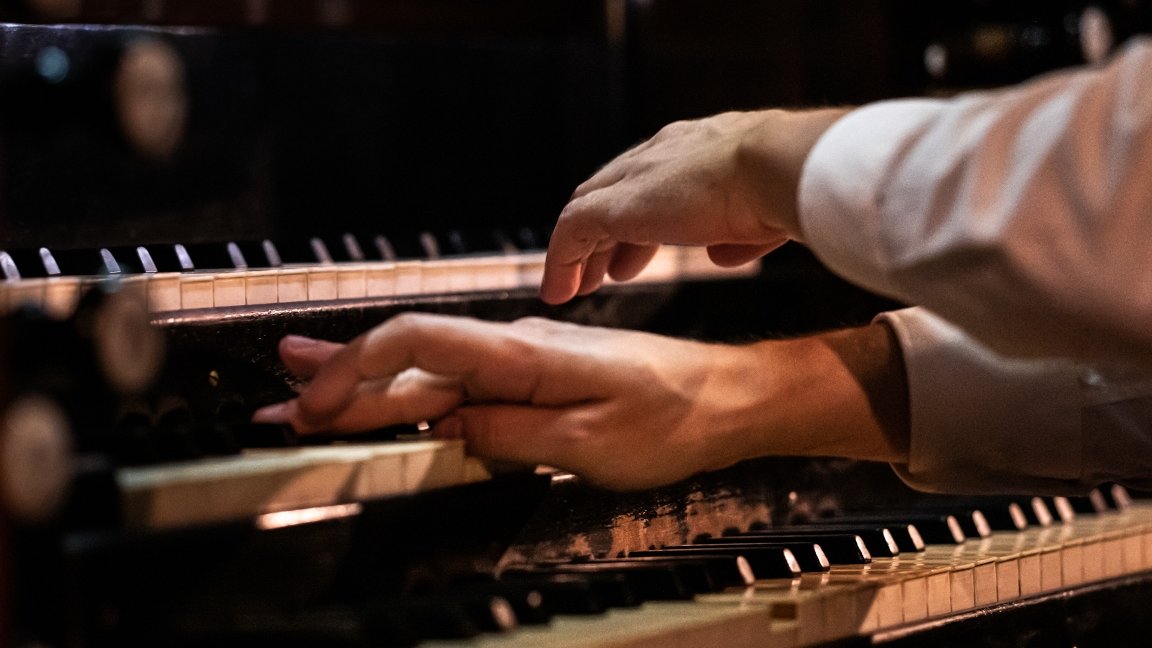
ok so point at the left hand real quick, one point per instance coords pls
(623, 409)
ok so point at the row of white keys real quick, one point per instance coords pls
(942, 580)
(259, 482)
(179, 291)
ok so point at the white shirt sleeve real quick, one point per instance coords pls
(1024, 215)
(981, 422)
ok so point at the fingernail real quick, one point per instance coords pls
(297, 343)
(451, 427)
(276, 413)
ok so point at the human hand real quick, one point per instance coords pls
(622, 409)
(727, 182)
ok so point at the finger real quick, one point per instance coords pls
(733, 254)
(303, 355)
(457, 347)
(275, 413)
(411, 397)
(594, 270)
(574, 240)
(630, 259)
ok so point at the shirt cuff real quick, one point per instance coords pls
(839, 195)
(982, 423)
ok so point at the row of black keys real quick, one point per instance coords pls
(533, 593)
(178, 435)
(26, 263)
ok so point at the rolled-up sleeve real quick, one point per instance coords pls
(981, 422)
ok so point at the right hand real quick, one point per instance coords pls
(727, 182)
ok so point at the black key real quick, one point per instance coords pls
(940, 526)
(78, 263)
(489, 612)
(1091, 503)
(427, 618)
(264, 435)
(906, 536)
(131, 441)
(839, 548)
(696, 574)
(766, 561)
(876, 537)
(531, 605)
(217, 438)
(934, 528)
(1060, 508)
(1015, 513)
(731, 568)
(568, 593)
(1037, 511)
(1116, 497)
(809, 556)
(722, 570)
(171, 258)
(210, 256)
(650, 582)
(470, 241)
(584, 593)
(23, 264)
(176, 436)
(981, 522)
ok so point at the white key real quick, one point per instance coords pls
(292, 286)
(380, 280)
(229, 290)
(408, 278)
(61, 295)
(260, 287)
(1051, 569)
(196, 291)
(164, 292)
(984, 576)
(1093, 557)
(531, 269)
(435, 277)
(1072, 562)
(500, 273)
(322, 284)
(29, 292)
(351, 281)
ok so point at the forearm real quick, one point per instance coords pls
(841, 393)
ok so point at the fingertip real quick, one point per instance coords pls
(558, 288)
(292, 343)
(630, 260)
(449, 427)
(275, 413)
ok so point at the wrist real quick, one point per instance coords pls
(776, 154)
(842, 394)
